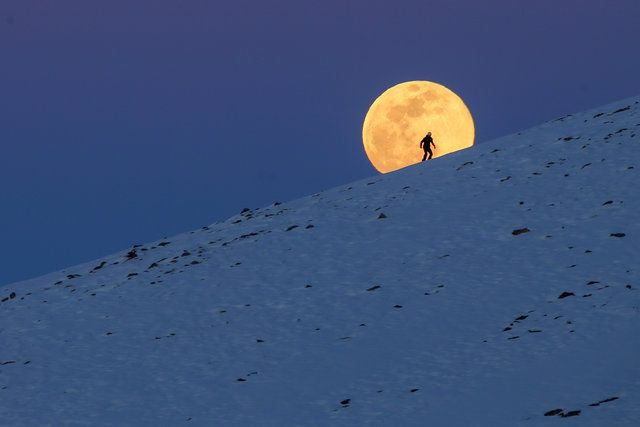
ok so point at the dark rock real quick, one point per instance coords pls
(571, 414)
(373, 288)
(617, 234)
(565, 294)
(99, 266)
(131, 254)
(553, 412)
(163, 243)
(345, 401)
(309, 226)
(291, 227)
(620, 110)
(520, 231)
(382, 216)
(413, 390)
(463, 165)
(397, 306)
(12, 295)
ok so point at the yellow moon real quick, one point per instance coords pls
(399, 118)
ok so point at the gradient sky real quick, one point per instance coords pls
(122, 122)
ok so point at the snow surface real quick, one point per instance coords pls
(319, 312)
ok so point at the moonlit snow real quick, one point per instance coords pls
(496, 286)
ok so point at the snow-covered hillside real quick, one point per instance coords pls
(496, 286)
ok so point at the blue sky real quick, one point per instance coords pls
(122, 122)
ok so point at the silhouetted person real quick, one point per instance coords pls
(426, 144)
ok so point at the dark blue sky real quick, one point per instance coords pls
(122, 122)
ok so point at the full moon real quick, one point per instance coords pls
(401, 117)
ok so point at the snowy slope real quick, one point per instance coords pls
(320, 312)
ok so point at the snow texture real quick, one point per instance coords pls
(496, 286)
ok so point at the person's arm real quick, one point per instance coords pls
(433, 143)
(421, 142)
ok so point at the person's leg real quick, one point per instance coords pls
(430, 155)
(425, 156)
